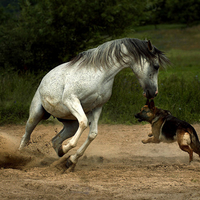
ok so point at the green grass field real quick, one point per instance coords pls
(179, 84)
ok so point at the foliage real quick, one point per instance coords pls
(16, 93)
(181, 97)
(38, 35)
(5, 3)
(176, 93)
(125, 101)
(47, 33)
(186, 11)
(175, 11)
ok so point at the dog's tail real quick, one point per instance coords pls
(195, 144)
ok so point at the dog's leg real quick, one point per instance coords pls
(151, 140)
(189, 150)
(150, 134)
(184, 141)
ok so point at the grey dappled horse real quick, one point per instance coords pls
(74, 92)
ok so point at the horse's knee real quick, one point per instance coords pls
(72, 143)
(83, 124)
(92, 136)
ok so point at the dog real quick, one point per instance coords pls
(167, 128)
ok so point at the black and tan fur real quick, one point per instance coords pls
(167, 128)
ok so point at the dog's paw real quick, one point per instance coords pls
(144, 141)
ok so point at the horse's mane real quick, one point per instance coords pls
(105, 54)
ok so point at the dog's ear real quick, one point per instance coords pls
(152, 105)
(147, 102)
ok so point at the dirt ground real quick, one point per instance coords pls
(115, 166)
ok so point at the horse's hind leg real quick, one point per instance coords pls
(69, 129)
(37, 113)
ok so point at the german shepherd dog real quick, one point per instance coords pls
(167, 128)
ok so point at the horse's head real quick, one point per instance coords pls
(148, 78)
(147, 69)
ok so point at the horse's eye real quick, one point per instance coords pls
(156, 66)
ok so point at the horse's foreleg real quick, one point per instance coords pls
(76, 109)
(93, 120)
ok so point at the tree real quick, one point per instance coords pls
(49, 32)
(171, 11)
(156, 12)
(183, 11)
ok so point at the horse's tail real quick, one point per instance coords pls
(195, 144)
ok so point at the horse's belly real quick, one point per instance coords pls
(94, 101)
(56, 108)
(59, 110)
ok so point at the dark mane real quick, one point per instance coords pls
(105, 54)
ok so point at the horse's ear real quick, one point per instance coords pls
(151, 105)
(147, 102)
(150, 46)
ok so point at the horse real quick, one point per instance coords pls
(74, 92)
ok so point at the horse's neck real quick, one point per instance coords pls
(111, 72)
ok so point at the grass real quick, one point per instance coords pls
(16, 93)
(126, 100)
(179, 84)
(180, 44)
(176, 94)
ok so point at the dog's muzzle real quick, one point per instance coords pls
(138, 117)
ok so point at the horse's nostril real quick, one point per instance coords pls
(150, 94)
(156, 93)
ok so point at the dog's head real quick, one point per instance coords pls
(147, 113)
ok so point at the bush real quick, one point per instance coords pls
(16, 93)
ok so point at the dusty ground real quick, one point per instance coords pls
(115, 166)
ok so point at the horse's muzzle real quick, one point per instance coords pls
(150, 94)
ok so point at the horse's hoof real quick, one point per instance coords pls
(70, 164)
(60, 151)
